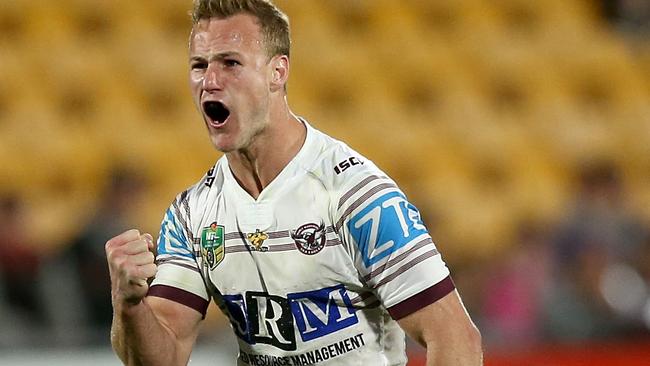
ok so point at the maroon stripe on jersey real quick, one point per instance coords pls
(420, 258)
(180, 296)
(236, 249)
(233, 235)
(175, 262)
(282, 247)
(333, 242)
(398, 259)
(356, 188)
(279, 234)
(361, 200)
(238, 235)
(277, 247)
(183, 222)
(424, 298)
(186, 205)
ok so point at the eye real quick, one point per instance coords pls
(231, 62)
(198, 65)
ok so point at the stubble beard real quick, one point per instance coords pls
(246, 142)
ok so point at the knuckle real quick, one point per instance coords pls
(151, 271)
(137, 272)
(109, 244)
(132, 234)
(147, 270)
(111, 257)
(138, 246)
(116, 257)
(120, 264)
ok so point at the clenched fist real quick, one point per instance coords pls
(131, 259)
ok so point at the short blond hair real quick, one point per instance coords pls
(274, 24)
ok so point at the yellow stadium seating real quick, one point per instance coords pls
(480, 109)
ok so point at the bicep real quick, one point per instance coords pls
(181, 323)
(444, 323)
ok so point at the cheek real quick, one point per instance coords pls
(195, 83)
(195, 78)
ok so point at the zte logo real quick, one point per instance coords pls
(258, 317)
(385, 225)
(347, 163)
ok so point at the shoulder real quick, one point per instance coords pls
(341, 168)
(210, 183)
(177, 227)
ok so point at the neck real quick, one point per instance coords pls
(256, 166)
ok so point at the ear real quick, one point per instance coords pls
(280, 72)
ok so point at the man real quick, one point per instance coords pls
(311, 251)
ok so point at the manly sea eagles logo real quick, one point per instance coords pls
(212, 248)
(309, 238)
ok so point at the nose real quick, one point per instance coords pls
(212, 80)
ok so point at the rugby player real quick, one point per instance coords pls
(313, 253)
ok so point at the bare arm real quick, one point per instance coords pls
(155, 332)
(145, 330)
(447, 332)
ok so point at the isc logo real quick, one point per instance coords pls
(258, 317)
(347, 163)
(384, 226)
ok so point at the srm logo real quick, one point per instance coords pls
(258, 317)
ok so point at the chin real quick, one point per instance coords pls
(223, 145)
(219, 144)
(223, 148)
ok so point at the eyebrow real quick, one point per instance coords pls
(218, 56)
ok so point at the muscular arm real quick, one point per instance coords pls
(145, 330)
(447, 332)
(154, 332)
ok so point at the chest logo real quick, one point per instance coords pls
(212, 245)
(309, 238)
(257, 240)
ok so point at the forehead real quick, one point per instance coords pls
(236, 33)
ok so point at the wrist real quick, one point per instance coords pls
(125, 305)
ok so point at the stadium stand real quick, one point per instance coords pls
(511, 77)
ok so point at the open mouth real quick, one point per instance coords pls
(217, 112)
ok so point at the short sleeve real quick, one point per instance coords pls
(179, 277)
(390, 245)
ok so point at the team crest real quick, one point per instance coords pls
(309, 238)
(212, 245)
(257, 240)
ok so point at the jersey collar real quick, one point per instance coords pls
(300, 163)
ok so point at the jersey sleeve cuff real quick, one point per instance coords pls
(180, 296)
(422, 299)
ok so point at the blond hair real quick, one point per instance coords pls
(274, 24)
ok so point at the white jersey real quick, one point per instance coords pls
(313, 271)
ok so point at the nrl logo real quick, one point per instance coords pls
(212, 245)
(257, 240)
(309, 238)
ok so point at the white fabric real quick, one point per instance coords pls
(341, 244)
